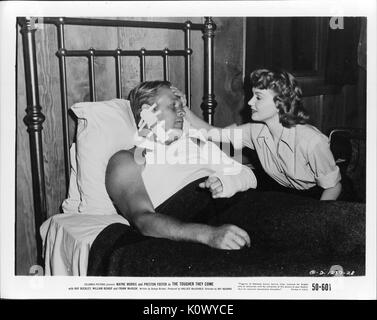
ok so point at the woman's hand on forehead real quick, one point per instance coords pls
(180, 95)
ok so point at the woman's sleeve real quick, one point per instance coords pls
(321, 161)
(238, 136)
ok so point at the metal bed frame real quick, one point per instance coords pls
(34, 116)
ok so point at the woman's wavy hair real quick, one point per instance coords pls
(145, 93)
(288, 97)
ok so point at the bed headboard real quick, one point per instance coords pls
(34, 111)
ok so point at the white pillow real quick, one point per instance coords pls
(103, 129)
(71, 204)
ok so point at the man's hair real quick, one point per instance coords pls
(288, 97)
(145, 93)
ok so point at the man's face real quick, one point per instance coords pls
(171, 109)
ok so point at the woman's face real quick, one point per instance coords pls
(262, 105)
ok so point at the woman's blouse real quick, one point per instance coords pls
(301, 159)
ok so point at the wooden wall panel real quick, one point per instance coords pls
(82, 37)
(355, 102)
(197, 68)
(335, 112)
(361, 113)
(151, 39)
(135, 39)
(345, 108)
(229, 70)
(314, 107)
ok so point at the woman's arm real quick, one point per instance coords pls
(126, 188)
(327, 173)
(196, 122)
(332, 193)
(238, 136)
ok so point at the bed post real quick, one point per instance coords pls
(64, 99)
(34, 119)
(209, 103)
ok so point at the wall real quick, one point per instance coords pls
(345, 107)
(228, 90)
(229, 65)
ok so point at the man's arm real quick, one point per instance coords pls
(126, 189)
(229, 176)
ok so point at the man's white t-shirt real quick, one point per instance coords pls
(168, 168)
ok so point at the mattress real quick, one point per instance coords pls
(67, 239)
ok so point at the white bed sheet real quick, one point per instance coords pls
(67, 239)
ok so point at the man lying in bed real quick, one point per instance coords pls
(155, 185)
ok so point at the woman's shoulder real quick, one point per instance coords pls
(309, 135)
(256, 128)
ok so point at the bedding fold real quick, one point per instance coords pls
(67, 239)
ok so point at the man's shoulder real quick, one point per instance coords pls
(122, 155)
(125, 159)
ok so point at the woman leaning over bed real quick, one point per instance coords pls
(295, 154)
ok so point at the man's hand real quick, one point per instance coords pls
(214, 185)
(228, 237)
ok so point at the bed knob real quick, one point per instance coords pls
(209, 26)
(61, 52)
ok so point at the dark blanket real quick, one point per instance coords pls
(290, 235)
